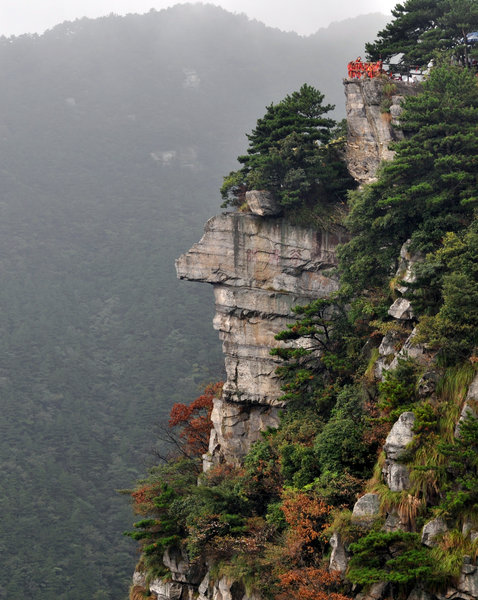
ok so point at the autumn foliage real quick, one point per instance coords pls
(307, 516)
(310, 583)
(193, 421)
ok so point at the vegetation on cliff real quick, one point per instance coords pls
(296, 152)
(268, 522)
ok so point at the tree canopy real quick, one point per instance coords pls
(291, 153)
(421, 27)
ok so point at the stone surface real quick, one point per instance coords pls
(235, 427)
(401, 309)
(419, 594)
(468, 582)
(370, 130)
(338, 557)
(260, 268)
(182, 570)
(224, 588)
(367, 507)
(411, 349)
(262, 203)
(470, 406)
(431, 530)
(394, 522)
(166, 590)
(395, 474)
(406, 267)
(427, 384)
(377, 591)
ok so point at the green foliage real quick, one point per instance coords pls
(291, 153)
(397, 557)
(429, 188)
(453, 330)
(340, 446)
(398, 388)
(421, 27)
(325, 329)
(461, 488)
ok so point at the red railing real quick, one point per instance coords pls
(360, 70)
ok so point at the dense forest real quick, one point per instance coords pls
(368, 488)
(114, 136)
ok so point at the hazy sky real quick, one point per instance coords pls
(303, 16)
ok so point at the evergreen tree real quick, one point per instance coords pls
(429, 189)
(420, 27)
(291, 154)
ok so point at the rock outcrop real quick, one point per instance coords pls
(260, 268)
(395, 473)
(373, 110)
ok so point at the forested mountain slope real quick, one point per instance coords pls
(114, 136)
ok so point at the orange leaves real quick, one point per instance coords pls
(194, 420)
(307, 516)
(309, 583)
(143, 498)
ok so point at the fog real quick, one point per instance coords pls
(303, 16)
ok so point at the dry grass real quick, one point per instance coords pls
(138, 592)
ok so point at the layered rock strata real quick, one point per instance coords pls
(260, 268)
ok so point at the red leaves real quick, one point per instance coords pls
(194, 420)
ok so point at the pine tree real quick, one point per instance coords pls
(291, 154)
(421, 27)
(429, 189)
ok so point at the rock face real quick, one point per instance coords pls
(366, 508)
(262, 203)
(470, 408)
(373, 107)
(260, 268)
(396, 474)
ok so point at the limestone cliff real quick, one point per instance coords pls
(260, 268)
(373, 109)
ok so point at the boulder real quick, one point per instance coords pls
(393, 522)
(411, 349)
(166, 590)
(262, 203)
(366, 508)
(406, 267)
(419, 594)
(182, 570)
(400, 436)
(468, 582)
(431, 530)
(401, 309)
(427, 384)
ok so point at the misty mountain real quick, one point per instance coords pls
(114, 137)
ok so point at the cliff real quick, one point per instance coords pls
(259, 268)
(373, 109)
